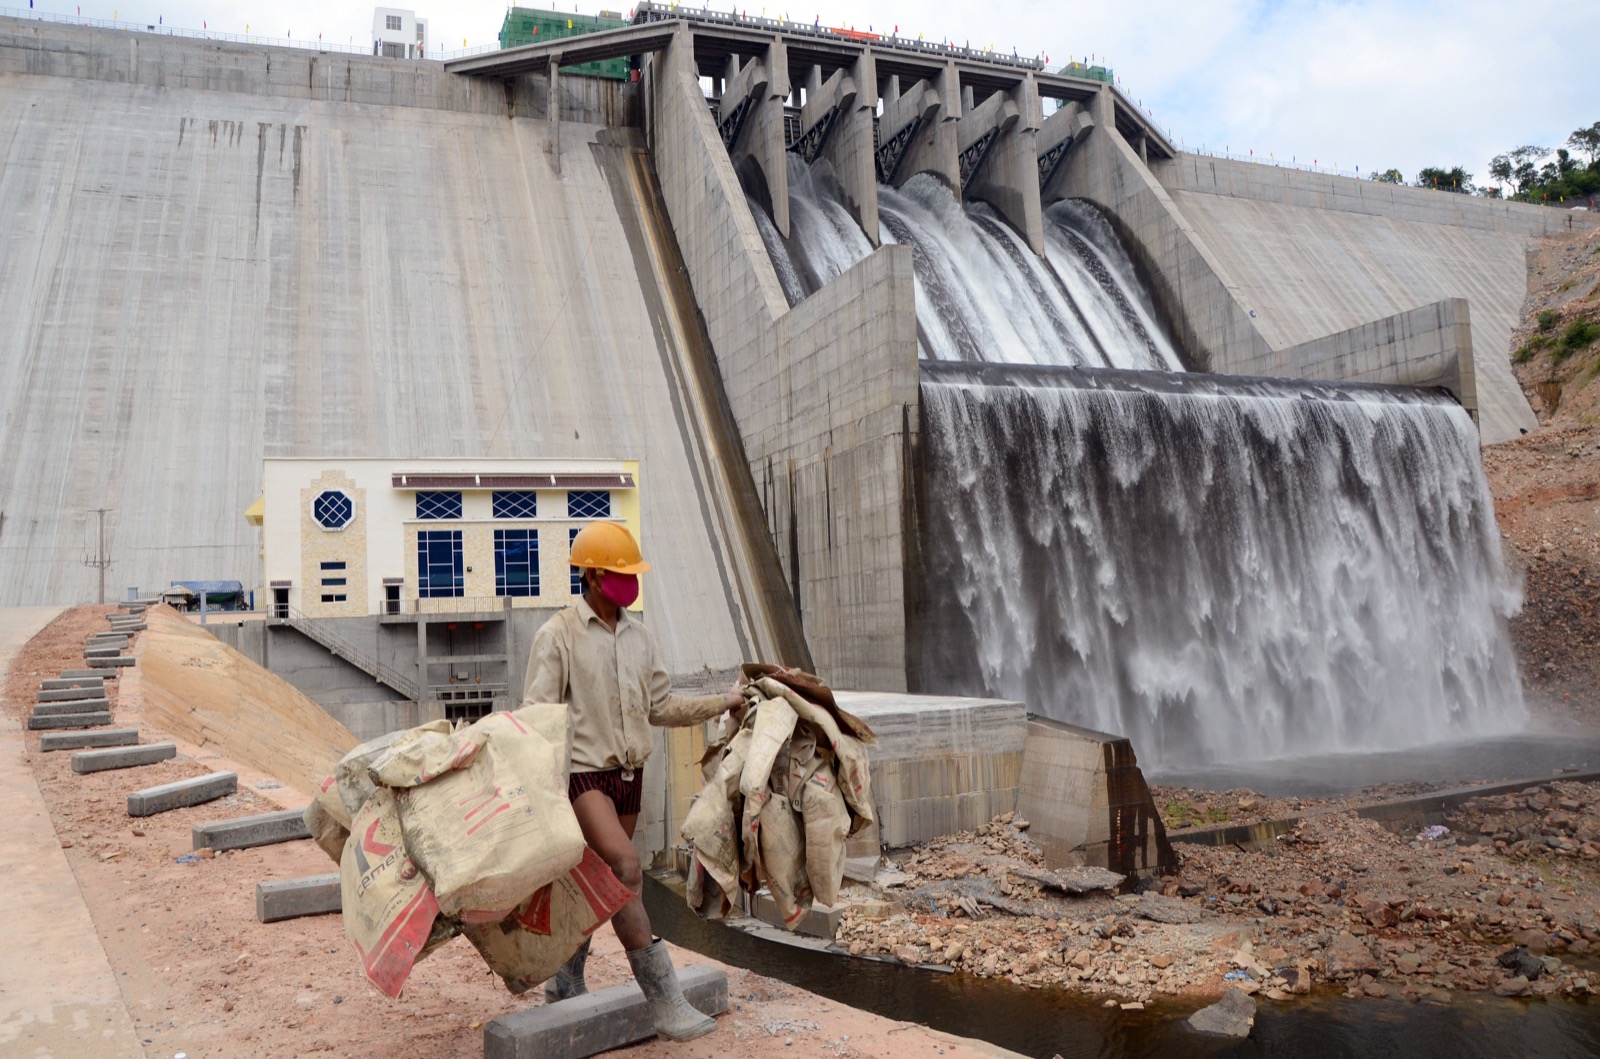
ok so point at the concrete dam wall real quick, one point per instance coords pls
(223, 253)
(217, 253)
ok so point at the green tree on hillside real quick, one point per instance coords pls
(1517, 167)
(1454, 179)
(1587, 141)
(1389, 176)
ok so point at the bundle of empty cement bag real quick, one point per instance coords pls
(440, 831)
(783, 792)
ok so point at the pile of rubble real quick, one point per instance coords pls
(1503, 896)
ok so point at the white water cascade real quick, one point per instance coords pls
(1223, 570)
(981, 293)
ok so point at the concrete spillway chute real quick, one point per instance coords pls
(999, 156)
(750, 118)
(837, 122)
(1056, 136)
(933, 106)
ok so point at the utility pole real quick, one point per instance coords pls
(101, 560)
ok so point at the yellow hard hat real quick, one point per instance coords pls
(607, 546)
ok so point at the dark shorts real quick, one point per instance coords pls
(626, 795)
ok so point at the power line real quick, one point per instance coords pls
(101, 560)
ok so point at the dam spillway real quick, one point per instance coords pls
(982, 294)
(1223, 570)
(285, 251)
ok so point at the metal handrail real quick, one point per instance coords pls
(322, 634)
(445, 605)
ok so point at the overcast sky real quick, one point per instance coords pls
(1402, 83)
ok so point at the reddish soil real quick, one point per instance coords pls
(200, 975)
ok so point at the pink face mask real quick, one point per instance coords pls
(621, 589)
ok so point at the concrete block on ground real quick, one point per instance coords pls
(196, 791)
(69, 720)
(94, 683)
(81, 740)
(110, 663)
(58, 709)
(315, 895)
(96, 674)
(108, 639)
(122, 757)
(595, 1022)
(818, 921)
(88, 691)
(103, 652)
(262, 829)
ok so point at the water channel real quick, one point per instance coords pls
(1048, 1022)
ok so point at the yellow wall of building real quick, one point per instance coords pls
(318, 544)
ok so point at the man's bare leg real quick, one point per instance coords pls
(611, 837)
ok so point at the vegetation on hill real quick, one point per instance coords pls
(1561, 175)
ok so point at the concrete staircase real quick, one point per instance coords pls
(322, 633)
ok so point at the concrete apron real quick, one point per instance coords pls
(58, 996)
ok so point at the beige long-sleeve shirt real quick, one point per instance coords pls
(613, 685)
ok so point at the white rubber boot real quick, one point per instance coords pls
(674, 1018)
(568, 981)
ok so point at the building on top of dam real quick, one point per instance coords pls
(397, 33)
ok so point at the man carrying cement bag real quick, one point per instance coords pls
(602, 662)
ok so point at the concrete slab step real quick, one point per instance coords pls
(113, 651)
(122, 757)
(98, 674)
(108, 639)
(69, 720)
(95, 682)
(87, 691)
(596, 1022)
(80, 740)
(280, 899)
(110, 663)
(61, 709)
(196, 791)
(243, 832)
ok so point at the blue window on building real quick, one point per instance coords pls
(589, 503)
(439, 563)
(577, 574)
(438, 505)
(333, 565)
(516, 562)
(516, 504)
(332, 509)
(326, 581)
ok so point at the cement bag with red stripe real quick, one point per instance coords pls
(484, 812)
(531, 944)
(389, 908)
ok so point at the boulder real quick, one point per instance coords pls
(1160, 909)
(1346, 957)
(1232, 1016)
(1519, 961)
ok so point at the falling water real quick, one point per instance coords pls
(982, 294)
(1221, 569)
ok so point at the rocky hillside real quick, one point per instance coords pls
(1547, 485)
(1556, 351)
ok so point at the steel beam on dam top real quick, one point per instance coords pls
(968, 117)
